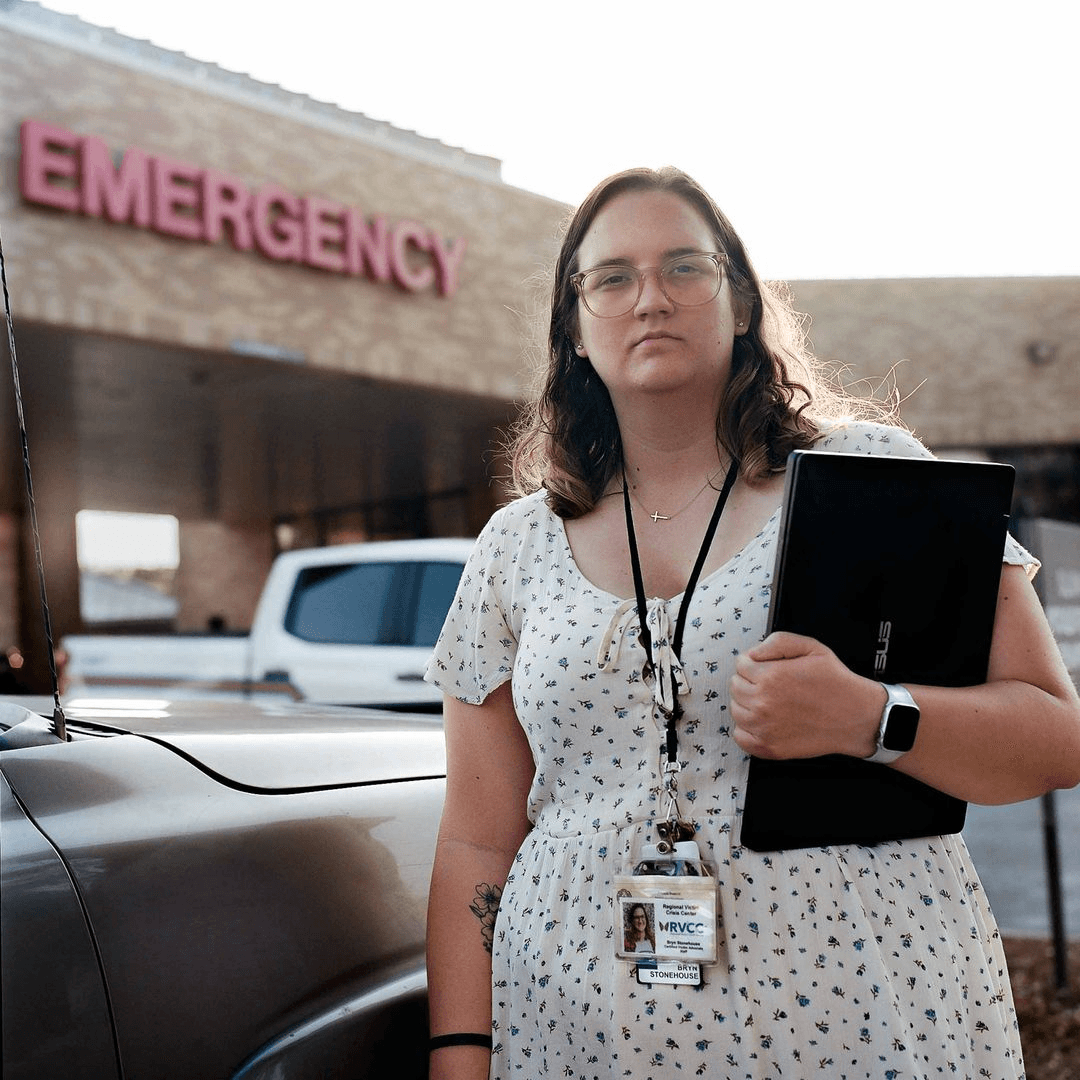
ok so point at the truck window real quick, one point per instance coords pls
(438, 583)
(355, 604)
(392, 603)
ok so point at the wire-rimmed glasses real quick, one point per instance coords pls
(686, 280)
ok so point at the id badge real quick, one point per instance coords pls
(666, 915)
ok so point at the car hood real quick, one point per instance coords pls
(275, 745)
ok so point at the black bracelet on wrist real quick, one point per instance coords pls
(459, 1038)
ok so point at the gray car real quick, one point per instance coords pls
(198, 890)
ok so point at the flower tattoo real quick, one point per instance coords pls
(485, 907)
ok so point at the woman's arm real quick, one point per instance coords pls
(489, 769)
(1012, 738)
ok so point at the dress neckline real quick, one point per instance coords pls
(617, 599)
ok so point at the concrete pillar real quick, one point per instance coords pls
(9, 580)
(221, 574)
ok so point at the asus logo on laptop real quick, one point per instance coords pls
(881, 657)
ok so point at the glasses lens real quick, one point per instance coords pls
(610, 290)
(689, 280)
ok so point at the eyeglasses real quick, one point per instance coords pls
(686, 280)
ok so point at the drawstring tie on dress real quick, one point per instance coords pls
(663, 669)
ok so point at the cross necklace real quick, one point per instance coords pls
(656, 516)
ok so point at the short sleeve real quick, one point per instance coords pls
(1018, 555)
(864, 437)
(475, 651)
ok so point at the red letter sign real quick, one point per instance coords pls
(413, 278)
(47, 152)
(367, 243)
(71, 172)
(175, 190)
(120, 196)
(323, 226)
(225, 198)
(447, 261)
(275, 220)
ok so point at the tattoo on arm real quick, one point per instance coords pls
(485, 907)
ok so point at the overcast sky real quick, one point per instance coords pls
(844, 138)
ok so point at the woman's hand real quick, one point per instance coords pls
(791, 697)
(1011, 738)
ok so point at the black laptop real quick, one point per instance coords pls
(894, 563)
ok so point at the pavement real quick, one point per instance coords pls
(1007, 847)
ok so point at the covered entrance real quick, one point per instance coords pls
(251, 454)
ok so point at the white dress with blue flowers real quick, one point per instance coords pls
(846, 962)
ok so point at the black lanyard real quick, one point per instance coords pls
(671, 739)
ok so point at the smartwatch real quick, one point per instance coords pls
(898, 727)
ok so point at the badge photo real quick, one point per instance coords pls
(666, 918)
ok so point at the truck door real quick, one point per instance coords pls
(361, 633)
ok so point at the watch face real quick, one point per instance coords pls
(900, 728)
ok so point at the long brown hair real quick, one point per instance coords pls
(567, 438)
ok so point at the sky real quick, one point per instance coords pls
(844, 138)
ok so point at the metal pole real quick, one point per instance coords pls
(1059, 543)
(1053, 889)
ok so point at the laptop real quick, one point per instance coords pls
(894, 563)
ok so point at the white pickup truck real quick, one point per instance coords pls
(352, 624)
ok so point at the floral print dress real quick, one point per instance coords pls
(844, 962)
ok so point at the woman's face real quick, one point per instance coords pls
(656, 347)
(639, 920)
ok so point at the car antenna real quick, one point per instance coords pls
(59, 721)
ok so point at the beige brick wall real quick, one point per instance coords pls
(959, 349)
(221, 574)
(88, 273)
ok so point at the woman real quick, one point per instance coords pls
(638, 937)
(676, 387)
